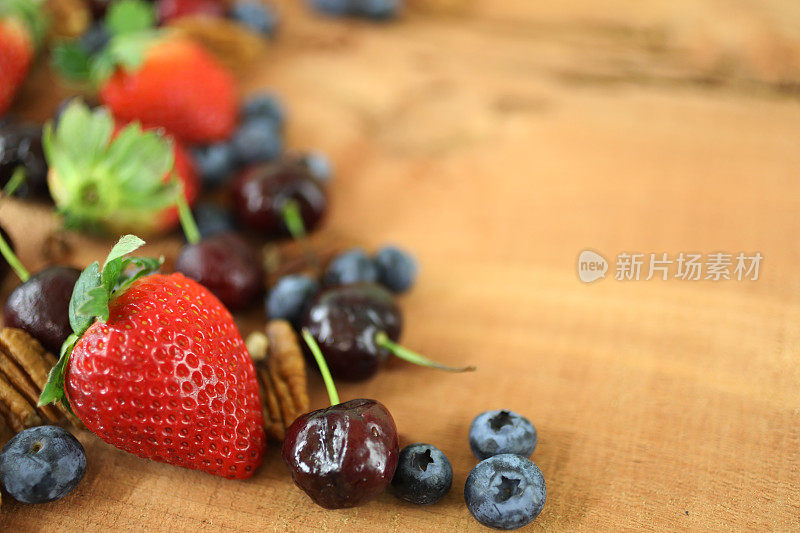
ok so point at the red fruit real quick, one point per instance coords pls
(173, 9)
(167, 377)
(184, 169)
(180, 87)
(16, 53)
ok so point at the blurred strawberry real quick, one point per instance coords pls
(172, 9)
(159, 79)
(22, 28)
(116, 183)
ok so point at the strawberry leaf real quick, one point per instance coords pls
(88, 280)
(54, 388)
(127, 244)
(104, 182)
(90, 301)
(130, 16)
(72, 61)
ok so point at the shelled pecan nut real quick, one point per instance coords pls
(283, 378)
(24, 368)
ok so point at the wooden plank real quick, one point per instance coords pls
(498, 141)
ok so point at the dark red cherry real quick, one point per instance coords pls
(265, 197)
(227, 266)
(345, 322)
(344, 455)
(356, 327)
(40, 306)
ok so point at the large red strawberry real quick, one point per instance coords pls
(21, 29)
(119, 181)
(157, 367)
(157, 78)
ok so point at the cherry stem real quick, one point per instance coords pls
(17, 178)
(323, 366)
(9, 255)
(187, 219)
(293, 219)
(383, 340)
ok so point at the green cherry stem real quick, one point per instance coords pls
(383, 340)
(323, 366)
(187, 219)
(9, 255)
(17, 178)
(293, 219)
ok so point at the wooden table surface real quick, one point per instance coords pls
(498, 141)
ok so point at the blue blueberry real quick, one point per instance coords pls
(337, 8)
(319, 166)
(214, 162)
(256, 141)
(259, 17)
(349, 267)
(42, 464)
(505, 491)
(95, 39)
(377, 9)
(213, 219)
(501, 431)
(264, 105)
(288, 297)
(423, 476)
(397, 269)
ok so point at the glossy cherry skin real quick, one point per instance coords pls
(345, 455)
(227, 266)
(40, 306)
(260, 194)
(344, 321)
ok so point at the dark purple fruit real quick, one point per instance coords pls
(40, 306)
(344, 455)
(262, 195)
(345, 322)
(21, 147)
(227, 266)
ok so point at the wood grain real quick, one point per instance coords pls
(498, 140)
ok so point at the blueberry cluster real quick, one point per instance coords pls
(390, 266)
(506, 490)
(258, 139)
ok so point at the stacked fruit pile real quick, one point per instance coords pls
(154, 363)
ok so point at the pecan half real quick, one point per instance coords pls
(24, 367)
(283, 379)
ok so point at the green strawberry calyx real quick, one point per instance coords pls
(107, 182)
(131, 25)
(93, 292)
(29, 12)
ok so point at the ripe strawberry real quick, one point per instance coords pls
(157, 78)
(119, 182)
(179, 86)
(21, 29)
(157, 367)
